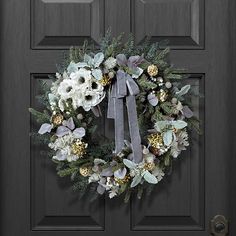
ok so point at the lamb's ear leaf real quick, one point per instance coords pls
(168, 137)
(100, 189)
(136, 180)
(45, 128)
(187, 112)
(152, 99)
(98, 58)
(120, 174)
(79, 132)
(150, 178)
(82, 64)
(129, 164)
(183, 90)
(69, 123)
(88, 59)
(159, 125)
(179, 124)
(61, 131)
(121, 59)
(73, 67)
(97, 74)
(52, 98)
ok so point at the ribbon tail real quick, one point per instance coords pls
(119, 124)
(134, 129)
(116, 111)
(111, 106)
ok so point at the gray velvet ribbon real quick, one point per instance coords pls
(125, 87)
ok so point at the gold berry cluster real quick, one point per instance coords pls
(106, 80)
(155, 140)
(149, 166)
(122, 181)
(79, 148)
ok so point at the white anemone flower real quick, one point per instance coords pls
(81, 76)
(67, 89)
(91, 99)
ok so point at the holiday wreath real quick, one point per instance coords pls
(117, 80)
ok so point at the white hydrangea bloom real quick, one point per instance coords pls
(110, 63)
(62, 146)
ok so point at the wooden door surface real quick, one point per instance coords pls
(34, 201)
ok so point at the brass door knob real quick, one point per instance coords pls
(219, 226)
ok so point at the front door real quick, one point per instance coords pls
(34, 201)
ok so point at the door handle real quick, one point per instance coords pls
(219, 226)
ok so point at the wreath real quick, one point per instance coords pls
(118, 81)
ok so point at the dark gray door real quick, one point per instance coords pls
(34, 201)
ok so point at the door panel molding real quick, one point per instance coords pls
(182, 22)
(58, 24)
(183, 209)
(53, 204)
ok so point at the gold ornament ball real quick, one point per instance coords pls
(79, 148)
(85, 170)
(152, 70)
(57, 119)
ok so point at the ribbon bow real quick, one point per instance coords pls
(125, 87)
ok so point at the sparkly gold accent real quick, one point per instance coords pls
(149, 166)
(155, 140)
(85, 170)
(106, 80)
(79, 148)
(152, 70)
(122, 181)
(57, 119)
(162, 95)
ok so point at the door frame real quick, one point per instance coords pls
(232, 194)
